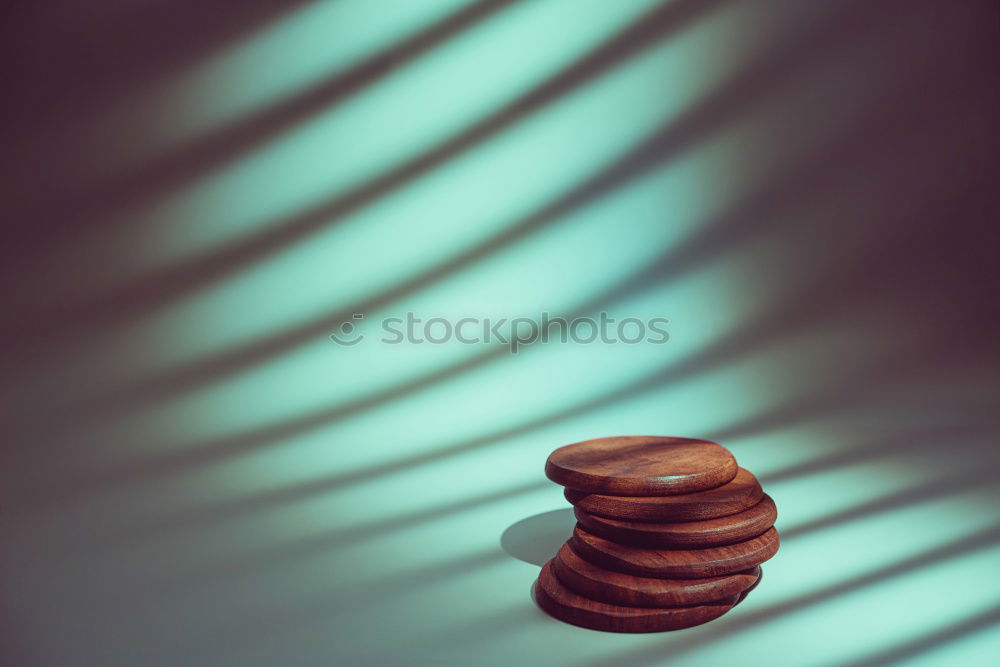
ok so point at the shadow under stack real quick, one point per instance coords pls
(670, 534)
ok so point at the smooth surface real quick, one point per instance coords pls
(684, 534)
(598, 583)
(742, 493)
(641, 465)
(562, 603)
(675, 563)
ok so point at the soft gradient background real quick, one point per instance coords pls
(197, 194)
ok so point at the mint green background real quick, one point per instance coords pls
(310, 504)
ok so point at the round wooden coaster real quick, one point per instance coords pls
(596, 583)
(641, 465)
(674, 563)
(686, 534)
(742, 493)
(744, 594)
(562, 603)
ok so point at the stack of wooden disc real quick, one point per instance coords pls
(670, 533)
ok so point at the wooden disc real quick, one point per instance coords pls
(596, 583)
(641, 465)
(744, 594)
(674, 563)
(742, 493)
(562, 603)
(686, 534)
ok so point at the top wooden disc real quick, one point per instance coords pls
(641, 465)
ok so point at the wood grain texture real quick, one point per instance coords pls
(674, 563)
(740, 494)
(686, 534)
(597, 583)
(641, 465)
(562, 603)
(744, 594)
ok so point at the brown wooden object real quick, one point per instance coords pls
(562, 603)
(641, 465)
(742, 493)
(670, 533)
(685, 534)
(629, 590)
(674, 563)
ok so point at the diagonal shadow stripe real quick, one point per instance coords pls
(968, 481)
(904, 444)
(910, 362)
(831, 161)
(125, 302)
(340, 537)
(933, 641)
(745, 88)
(196, 157)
